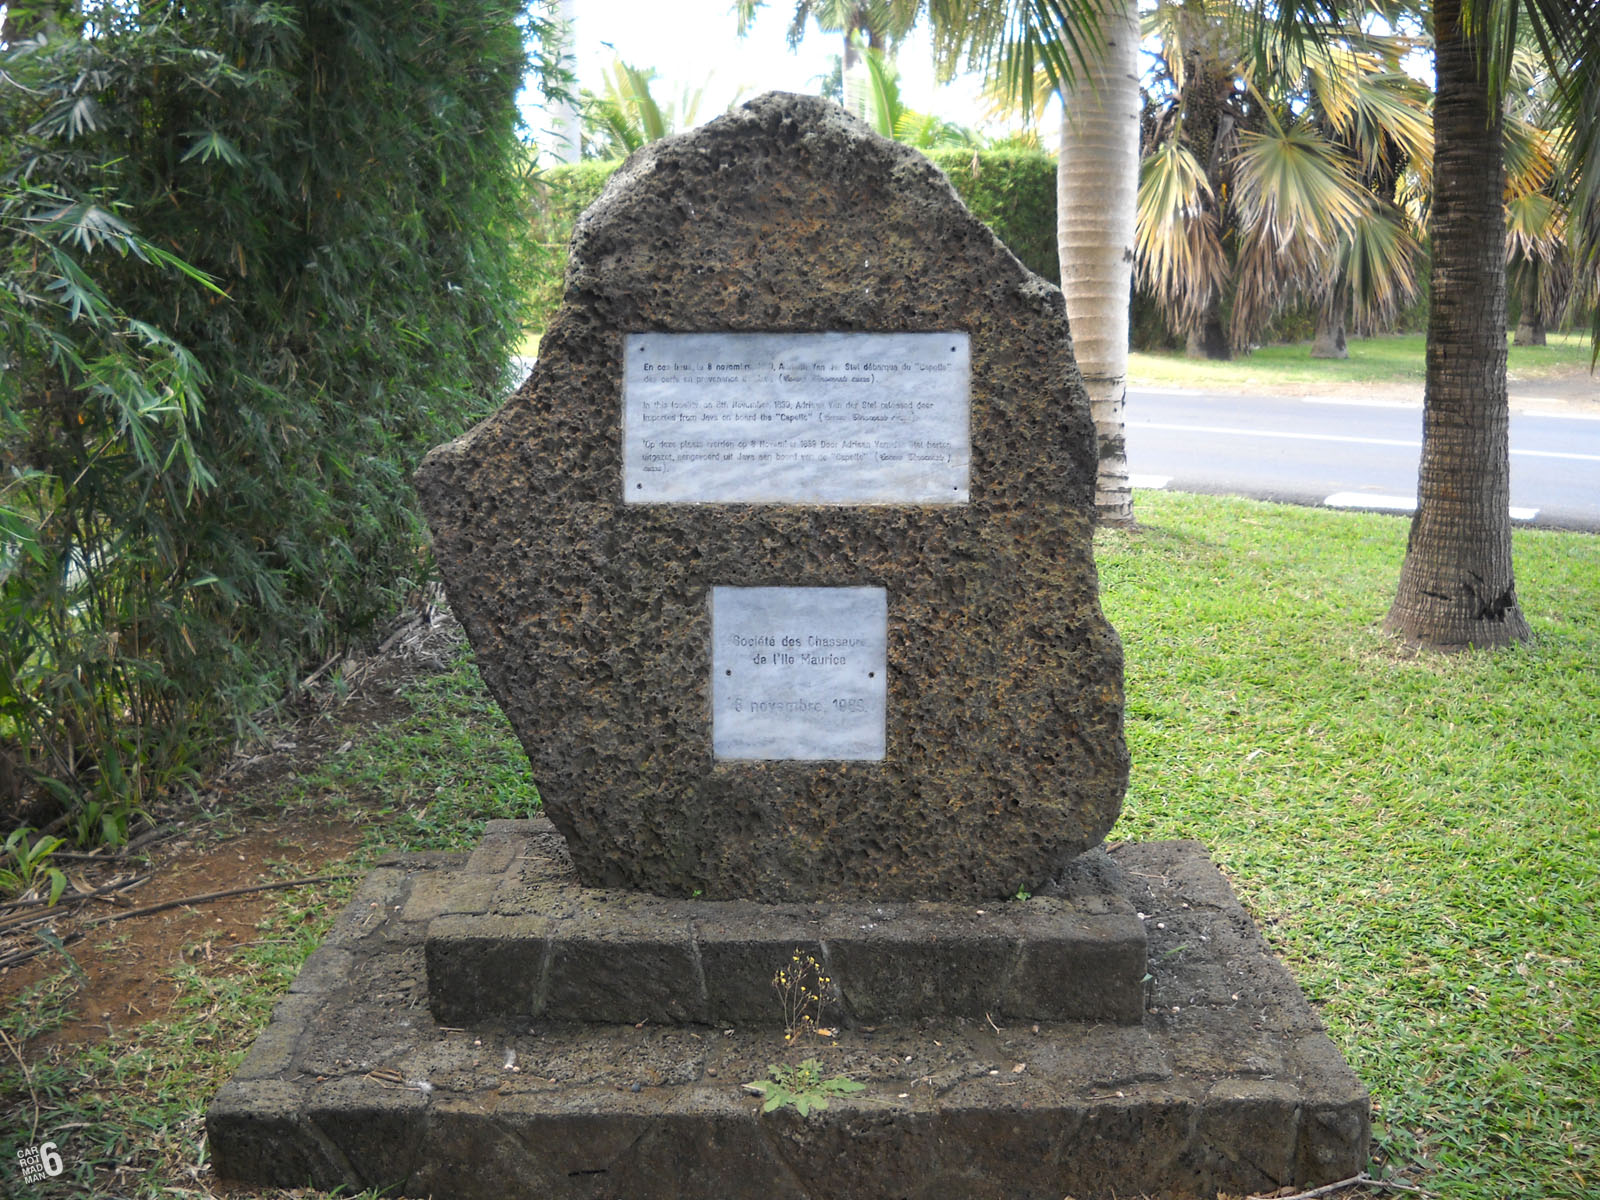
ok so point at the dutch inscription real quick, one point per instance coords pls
(796, 418)
(798, 672)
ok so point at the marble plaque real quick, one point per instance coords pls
(796, 418)
(798, 672)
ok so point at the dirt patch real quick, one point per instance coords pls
(236, 836)
(127, 965)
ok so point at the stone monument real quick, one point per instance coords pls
(797, 397)
(780, 564)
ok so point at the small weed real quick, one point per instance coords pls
(802, 988)
(803, 1087)
(29, 865)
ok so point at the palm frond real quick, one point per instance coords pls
(1536, 242)
(1536, 224)
(1009, 40)
(1380, 264)
(1179, 254)
(884, 105)
(1387, 108)
(1290, 185)
(1530, 156)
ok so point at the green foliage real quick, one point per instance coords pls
(28, 864)
(429, 780)
(1013, 191)
(560, 194)
(257, 258)
(626, 115)
(893, 119)
(802, 1087)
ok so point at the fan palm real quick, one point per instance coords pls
(1537, 259)
(1272, 178)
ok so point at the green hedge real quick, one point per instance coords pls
(203, 477)
(560, 194)
(1014, 192)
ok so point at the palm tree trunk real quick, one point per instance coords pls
(1210, 339)
(1457, 588)
(1097, 185)
(1329, 341)
(1530, 322)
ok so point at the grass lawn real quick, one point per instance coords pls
(1419, 838)
(1389, 361)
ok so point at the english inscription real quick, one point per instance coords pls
(796, 418)
(798, 672)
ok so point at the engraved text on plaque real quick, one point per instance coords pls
(796, 418)
(798, 672)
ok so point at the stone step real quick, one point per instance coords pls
(514, 939)
(1228, 1085)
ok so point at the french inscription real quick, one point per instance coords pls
(799, 672)
(796, 418)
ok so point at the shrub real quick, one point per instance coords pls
(1014, 193)
(258, 257)
(560, 194)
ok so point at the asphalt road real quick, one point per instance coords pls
(1345, 453)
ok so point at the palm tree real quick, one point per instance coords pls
(888, 114)
(1097, 183)
(867, 26)
(1274, 177)
(1457, 585)
(626, 115)
(1015, 43)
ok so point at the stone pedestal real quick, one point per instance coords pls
(1226, 1083)
(516, 939)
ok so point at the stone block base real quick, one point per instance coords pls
(515, 939)
(1229, 1084)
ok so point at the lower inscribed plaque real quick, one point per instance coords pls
(799, 672)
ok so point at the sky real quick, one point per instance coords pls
(695, 44)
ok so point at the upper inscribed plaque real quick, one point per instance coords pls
(796, 418)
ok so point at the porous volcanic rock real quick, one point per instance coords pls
(590, 617)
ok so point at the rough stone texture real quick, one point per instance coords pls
(590, 618)
(529, 944)
(1229, 1085)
